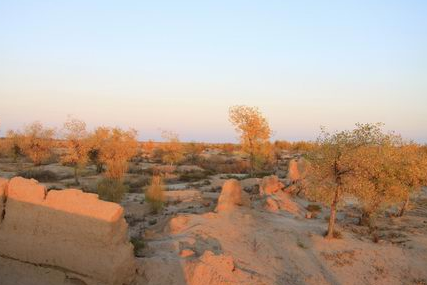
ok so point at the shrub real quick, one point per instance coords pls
(313, 208)
(138, 244)
(111, 189)
(136, 185)
(39, 175)
(155, 194)
(193, 176)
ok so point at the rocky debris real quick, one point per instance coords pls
(270, 185)
(232, 196)
(67, 229)
(186, 253)
(211, 269)
(271, 204)
(189, 168)
(283, 201)
(177, 224)
(183, 196)
(250, 184)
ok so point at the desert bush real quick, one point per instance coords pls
(220, 164)
(154, 195)
(313, 208)
(138, 244)
(135, 169)
(116, 149)
(37, 142)
(193, 151)
(39, 175)
(135, 186)
(172, 148)
(194, 176)
(254, 132)
(12, 145)
(111, 190)
(76, 146)
(148, 148)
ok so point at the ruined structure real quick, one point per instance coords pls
(68, 230)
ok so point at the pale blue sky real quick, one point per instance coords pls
(179, 65)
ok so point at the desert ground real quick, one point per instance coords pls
(222, 228)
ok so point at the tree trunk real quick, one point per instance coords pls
(99, 168)
(404, 207)
(332, 216)
(76, 175)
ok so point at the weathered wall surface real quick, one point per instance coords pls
(68, 229)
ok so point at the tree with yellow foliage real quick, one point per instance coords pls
(336, 163)
(76, 145)
(148, 148)
(96, 142)
(117, 149)
(12, 144)
(254, 132)
(172, 149)
(412, 171)
(37, 142)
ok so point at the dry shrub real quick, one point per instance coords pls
(39, 175)
(37, 142)
(113, 148)
(221, 164)
(155, 194)
(111, 190)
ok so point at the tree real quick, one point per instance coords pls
(37, 142)
(96, 142)
(172, 149)
(12, 144)
(254, 132)
(117, 149)
(76, 145)
(193, 151)
(377, 183)
(148, 148)
(335, 162)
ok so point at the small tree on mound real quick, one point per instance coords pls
(37, 142)
(154, 195)
(254, 132)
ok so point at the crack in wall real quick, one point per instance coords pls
(3, 202)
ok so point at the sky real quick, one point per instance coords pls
(180, 65)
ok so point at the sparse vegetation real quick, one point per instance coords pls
(155, 194)
(39, 175)
(172, 150)
(111, 190)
